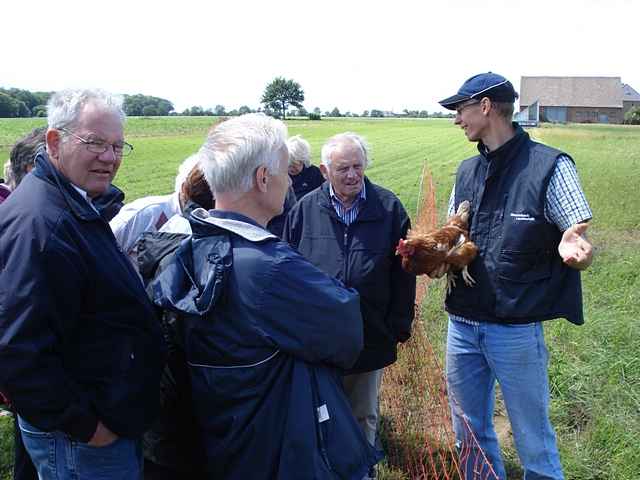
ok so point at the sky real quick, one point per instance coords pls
(351, 54)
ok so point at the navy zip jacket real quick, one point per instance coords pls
(362, 256)
(265, 335)
(78, 339)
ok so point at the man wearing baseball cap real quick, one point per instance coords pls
(528, 217)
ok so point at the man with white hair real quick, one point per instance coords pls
(349, 228)
(259, 324)
(80, 347)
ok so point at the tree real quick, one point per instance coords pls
(39, 111)
(23, 110)
(282, 93)
(149, 111)
(377, 113)
(196, 111)
(8, 106)
(244, 110)
(632, 117)
(29, 99)
(219, 110)
(134, 105)
(365, 113)
(335, 112)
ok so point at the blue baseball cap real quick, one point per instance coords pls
(489, 84)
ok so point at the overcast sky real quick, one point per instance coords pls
(355, 55)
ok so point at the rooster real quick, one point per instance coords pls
(448, 247)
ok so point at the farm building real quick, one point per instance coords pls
(578, 99)
(630, 98)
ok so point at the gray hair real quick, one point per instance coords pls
(299, 150)
(236, 148)
(64, 107)
(337, 140)
(185, 169)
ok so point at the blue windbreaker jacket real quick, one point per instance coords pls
(265, 336)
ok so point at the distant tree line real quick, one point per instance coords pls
(219, 110)
(280, 95)
(144, 105)
(15, 102)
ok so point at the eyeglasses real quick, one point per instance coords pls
(462, 107)
(100, 146)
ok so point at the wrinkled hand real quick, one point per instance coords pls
(102, 436)
(439, 271)
(574, 249)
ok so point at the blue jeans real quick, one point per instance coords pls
(515, 356)
(58, 457)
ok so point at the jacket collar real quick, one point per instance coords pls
(202, 220)
(499, 158)
(112, 197)
(77, 205)
(370, 210)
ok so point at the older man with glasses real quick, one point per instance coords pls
(80, 347)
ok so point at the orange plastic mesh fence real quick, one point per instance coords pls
(416, 416)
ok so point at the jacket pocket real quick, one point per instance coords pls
(524, 267)
(522, 291)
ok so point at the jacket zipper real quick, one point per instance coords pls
(318, 401)
(345, 251)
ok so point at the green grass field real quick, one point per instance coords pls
(594, 369)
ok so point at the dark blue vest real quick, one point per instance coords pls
(519, 273)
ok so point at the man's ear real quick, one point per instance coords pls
(262, 178)
(486, 105)
(324, 171)
(53, 140)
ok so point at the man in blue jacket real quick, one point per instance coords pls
(265, 332)
(528, 215)
(80, 348)
(349, 228)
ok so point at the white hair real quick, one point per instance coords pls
(236, 148)
(299, 150)
(185, 169)
(64, 107)
(340, 139)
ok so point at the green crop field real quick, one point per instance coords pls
(594, 369)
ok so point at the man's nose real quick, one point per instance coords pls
(109, 155)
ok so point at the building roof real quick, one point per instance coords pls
(629, 94)
(603, 92)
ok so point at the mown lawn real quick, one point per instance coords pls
(594, 369)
